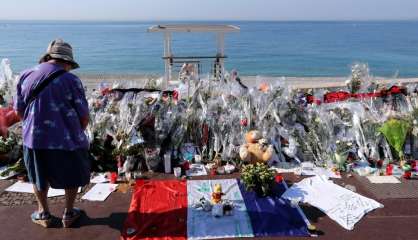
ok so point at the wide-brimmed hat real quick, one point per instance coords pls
(58, 49)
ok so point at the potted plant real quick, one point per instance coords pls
(258, 178)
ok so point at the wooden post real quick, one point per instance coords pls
(220, 54)
(167, 60)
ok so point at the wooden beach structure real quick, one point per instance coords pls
(170, 59)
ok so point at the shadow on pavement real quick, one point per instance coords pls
(115, 221)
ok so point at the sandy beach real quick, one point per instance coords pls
(92, 81)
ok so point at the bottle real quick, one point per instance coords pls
(120, 167)
(167, 162)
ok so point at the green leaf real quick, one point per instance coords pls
(395, 132)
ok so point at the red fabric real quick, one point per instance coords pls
(343, 96)
(336, 97)
(394, 90)
(8, 117)
(106, 91)
(366, 95)
(158, 211)
(205, 134)
(312, 99)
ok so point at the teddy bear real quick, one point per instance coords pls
(256, 149)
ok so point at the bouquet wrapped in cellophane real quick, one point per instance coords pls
(132, 127)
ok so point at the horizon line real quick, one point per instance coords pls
(213, 20)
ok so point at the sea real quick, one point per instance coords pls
(294, 49)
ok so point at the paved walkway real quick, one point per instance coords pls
(397, 220)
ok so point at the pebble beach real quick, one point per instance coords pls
(93, 81)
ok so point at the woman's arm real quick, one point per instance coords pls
(80, 103)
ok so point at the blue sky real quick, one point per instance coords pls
(209, 9)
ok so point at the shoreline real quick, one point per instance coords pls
(92, 81)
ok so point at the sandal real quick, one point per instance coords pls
(42, 218)
(70, 217)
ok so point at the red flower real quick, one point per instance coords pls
(105, 91)
(244, 122)
(175, 95)
(186, 165)
(279, 178)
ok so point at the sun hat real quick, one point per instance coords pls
(58, 49)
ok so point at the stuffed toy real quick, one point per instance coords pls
(217, 194)
(204, 204)
(256, 149)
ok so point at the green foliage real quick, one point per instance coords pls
(258, 178)
(17, 167)
(7, 144)
(395, 132)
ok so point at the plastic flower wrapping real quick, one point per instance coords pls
(134, 128)
(360, 79)
(8, 82)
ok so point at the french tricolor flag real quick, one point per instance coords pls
(163, 209)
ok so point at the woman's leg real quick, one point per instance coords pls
(42, 198)
(70, 195)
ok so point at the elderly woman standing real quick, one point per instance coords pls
(52, 103)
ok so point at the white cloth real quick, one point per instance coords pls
(202, 225)
(340, 204)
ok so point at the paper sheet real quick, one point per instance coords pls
(305, 169)
(196, 170)
(340, 204)
(285, 167)
(383, 179)
(101, 178)
(99, 192)
(317, 171)
(285, 170)
(28, 188)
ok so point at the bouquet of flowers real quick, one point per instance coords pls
(414, 123)
(13, 169)
(395, 132)
(258, 178)
(7, 82)
(7, 144)
(318, 137)
(342, 149)
(359, 74)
